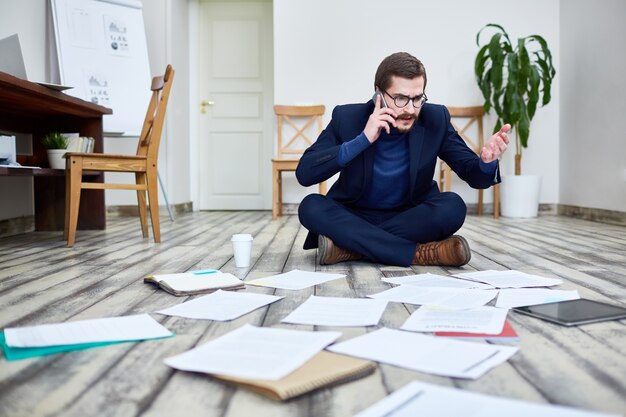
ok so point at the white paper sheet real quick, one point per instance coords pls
(112, 329)
(433, 355)
(336, 311)
(437, 281)
(254, 352)
(510, 298)
(442, 297)
(295, 280)
(220, 305)
(509, 279)
(423, 399)
(487, 320)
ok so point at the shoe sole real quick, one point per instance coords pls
(322, 247)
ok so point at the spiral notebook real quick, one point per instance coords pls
(324, 370)
(195, 282)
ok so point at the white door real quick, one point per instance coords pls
(236, 93)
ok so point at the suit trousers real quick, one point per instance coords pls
(388, 236)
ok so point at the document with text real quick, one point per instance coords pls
(337, 311)
(509, 279)
(254, 352)
(437, 281)
(221, 305)
(295, 280)
(487, 320)
(423, 399)
(509, 298)
(433, 355)
(443, 297)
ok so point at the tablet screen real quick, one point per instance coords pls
(574, 312)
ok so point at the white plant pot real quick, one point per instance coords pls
(519, 195)
(55, 158)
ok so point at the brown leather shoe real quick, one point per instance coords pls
(453, 251)
(329, 253)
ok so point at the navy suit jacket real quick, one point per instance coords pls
(431, 136)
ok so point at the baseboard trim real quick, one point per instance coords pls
(17, 226)
(593, 214)
(133, 211)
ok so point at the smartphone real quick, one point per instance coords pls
(383, 103)
(574, 312)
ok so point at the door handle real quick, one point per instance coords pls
(204, 104)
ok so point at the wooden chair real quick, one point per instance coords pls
(143, 164)
(469, 116)
(301, 120)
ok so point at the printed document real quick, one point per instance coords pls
(433, 355)
(442, 297)
(486, 320)
(423, 399)
(113, 329)
(220, 305)
(336, 311)
(295, 280)
(509, 279)
(510, 298)
(254, 352)
(438, 281)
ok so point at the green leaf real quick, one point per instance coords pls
(524, 129)
(533, 92)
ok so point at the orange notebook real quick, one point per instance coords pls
(326, 369)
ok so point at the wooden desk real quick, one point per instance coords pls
(27, 107)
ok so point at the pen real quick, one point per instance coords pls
(205, 271)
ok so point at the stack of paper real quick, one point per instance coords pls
(24, 342)
(489, 320)
(511, 298)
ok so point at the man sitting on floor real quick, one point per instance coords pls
(385, 205)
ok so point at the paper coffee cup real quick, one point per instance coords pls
(242, 248)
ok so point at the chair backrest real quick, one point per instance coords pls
(304, 122)
(462, 119)
(150, 137)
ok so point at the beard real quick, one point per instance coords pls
(406, 118)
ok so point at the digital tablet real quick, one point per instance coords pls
(574, 312)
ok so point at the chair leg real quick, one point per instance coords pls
(323, 188)
(140, 179)
(75, 179)
(279, 203)
(153, 199)
(66, 224)
(275, 186)
(496, 201)
(480, 202)
(447, 186)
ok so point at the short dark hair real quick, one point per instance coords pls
(400, 64)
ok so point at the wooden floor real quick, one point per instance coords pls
(42, 281)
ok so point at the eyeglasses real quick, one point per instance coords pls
(401, 101)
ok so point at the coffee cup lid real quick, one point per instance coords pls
(241, 237)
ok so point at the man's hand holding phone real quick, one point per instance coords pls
(382, 118)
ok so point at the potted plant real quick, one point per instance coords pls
(514, 79)
(56, 146)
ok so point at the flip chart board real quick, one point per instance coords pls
(102, 53)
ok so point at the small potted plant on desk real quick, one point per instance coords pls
(514, 78)
(56, 146)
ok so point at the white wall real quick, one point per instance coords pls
(593, 104)
(331, 57)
